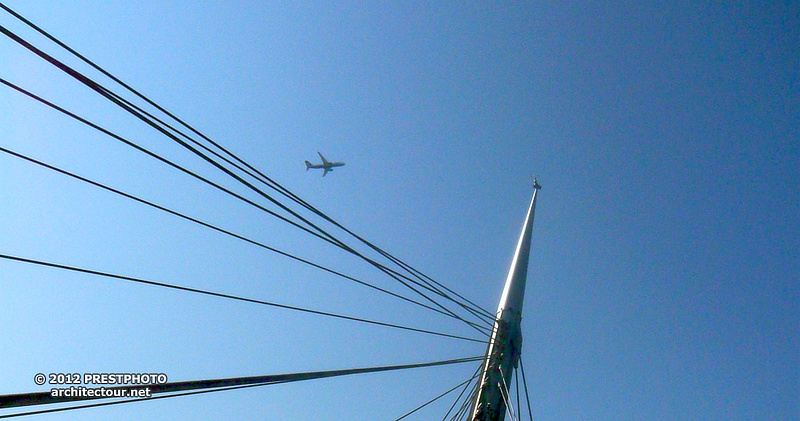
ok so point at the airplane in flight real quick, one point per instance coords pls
(326, 165)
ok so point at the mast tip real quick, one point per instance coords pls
(536, 184)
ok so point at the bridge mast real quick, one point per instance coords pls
(503, 352)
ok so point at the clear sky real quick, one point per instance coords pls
(664, 280)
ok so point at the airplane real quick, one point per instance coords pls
(326, 165)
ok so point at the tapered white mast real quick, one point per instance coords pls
(503, 352)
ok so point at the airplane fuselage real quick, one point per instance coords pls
(326, 165)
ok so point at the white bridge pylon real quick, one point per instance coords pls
(505, 346)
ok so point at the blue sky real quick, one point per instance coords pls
(664, 273)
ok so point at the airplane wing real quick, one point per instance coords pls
(324, 161)
(326, 171)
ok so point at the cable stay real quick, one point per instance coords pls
(461, 394)
(267, 181)
(393, 274)
(467, 400)
(516, 388)
(232, 297)
(215, 228)
(465, 382)
(221, 188)
(506, 395)
(258, 175)
(427, 282)
(390, 272)
(149, 153)
(44, 398)
(525, 384)
(465, 405)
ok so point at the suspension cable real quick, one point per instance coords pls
(44, 398)
(264, 179)
(388, 271)
(466, 404)
(525, 383)
(460, 395)
(437, 398)
(516, 387)
(228, 296)
(507, 395)
(215, 228)
(338, 243)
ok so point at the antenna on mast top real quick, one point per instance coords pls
(536, 184)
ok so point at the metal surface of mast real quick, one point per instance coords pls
(503, 352)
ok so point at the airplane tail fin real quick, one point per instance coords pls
(308, 165)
